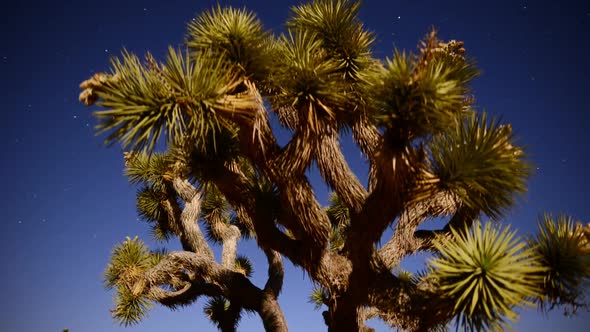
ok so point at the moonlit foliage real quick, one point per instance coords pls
(564, 247)
(220, 176)
(486, 272)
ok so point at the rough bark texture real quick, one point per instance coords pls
(358, 276)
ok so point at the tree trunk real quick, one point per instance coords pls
(344, 318)
(271, 314)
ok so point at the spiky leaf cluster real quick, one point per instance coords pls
(477, 161)
(129, 260)
(308, 80)
(339, 216)
(564, 249)
(181, 97)
(148, 205)
(149, 170)
(320, 64)
(336, 25)
(217, 309)
(235, 35)
(244, 266)
(129, 308)
(150, 208)
(318, 297)
(153, 173)
(417, 96)
(214, 209)
(486, 272)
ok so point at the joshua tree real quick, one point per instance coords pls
(430, 155)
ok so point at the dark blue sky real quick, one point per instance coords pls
(65, 202)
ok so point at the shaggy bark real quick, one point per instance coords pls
(302, 213)
(190, 233)
(404, 240)
(336, 172)
(232, 285)
(196, 101)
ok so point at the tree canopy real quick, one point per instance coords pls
(221, 176)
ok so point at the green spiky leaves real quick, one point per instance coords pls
(142, 168)
(416, 96)
(149, 206)
(318, 297)
(221, 313)
(564, 248)
(319, 64)
(235, 35)
(182, 98)
(336, 25)
(215, 210)
(129, 260)
(337, 212)
(244, 266)
(339, 216)
(307, 79)
(153, 173)
(479, 163)
(129, 308)
(216, 307)
(486, 272)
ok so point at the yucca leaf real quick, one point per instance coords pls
(486, 272)
(338, 27)
(338, 212)
(215, 308)
(181, 97)
(235, 35)
(129, 260)
(148, 205)
(244, 266)
(564, 248)
(129, 308)
(309, 85)
(479, 162)
(317, 297)
(417, 98)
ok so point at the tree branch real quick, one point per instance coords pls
(231, 235)
(189, 233)
(406, 306)
(404, 240)
(258, 143)
(384, 203)
(274, 283)
(337, 173)
(232, 285)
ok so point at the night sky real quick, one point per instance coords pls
(65, 202)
